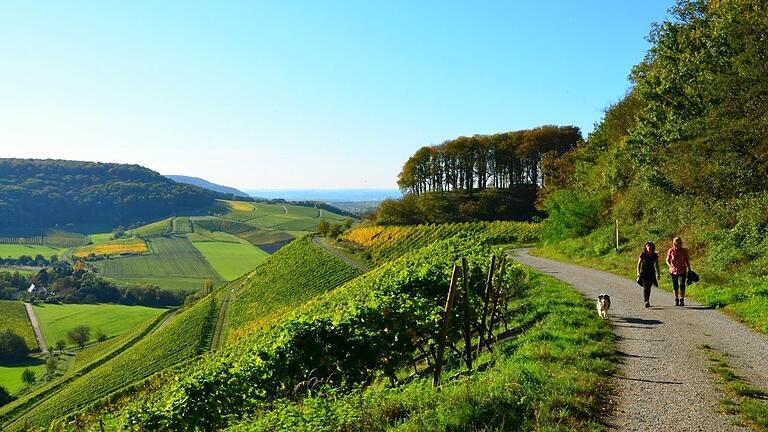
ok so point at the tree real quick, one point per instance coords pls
(323, 227)
(100, 336)
(80, 335)
(207, 286)
(28, 377)
(50, 365)
(60, 345)
(5, 396)
(12, 346)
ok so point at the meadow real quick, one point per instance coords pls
(231, 259)
(17, 250)
(10, 373)
(175, 263)
(56, 320)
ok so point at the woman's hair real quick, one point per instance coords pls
(676, 239)
(653, 246)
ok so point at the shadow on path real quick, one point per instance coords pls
(646, 380)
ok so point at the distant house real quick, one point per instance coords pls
(33, 289)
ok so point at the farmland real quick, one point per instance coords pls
(233, 258)
(111, 319)
(14, 317)
(160, 227)
(174, 263)
(10, 374)
(114, 247)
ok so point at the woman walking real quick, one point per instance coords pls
(679, 265)
(648, 270)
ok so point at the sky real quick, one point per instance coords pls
(302, 94)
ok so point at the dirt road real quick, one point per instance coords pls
(664, 383)
(36, 328)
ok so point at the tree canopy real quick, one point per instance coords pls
(45, 193)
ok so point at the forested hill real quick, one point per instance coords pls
(44, 193)
(205, 184)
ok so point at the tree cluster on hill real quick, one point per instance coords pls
(46, 193)
(12, 346)
(502, 160)
(515, 203)
(27, 260)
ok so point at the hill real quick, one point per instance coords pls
(205, 184)
(47, 193)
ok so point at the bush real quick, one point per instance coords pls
(571, 214)
(12, 346)
(5, 396)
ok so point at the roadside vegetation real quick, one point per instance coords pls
(679, 155)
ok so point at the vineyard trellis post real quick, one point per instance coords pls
(467, 329)
(488, 287)
(444, 326)
(496, 295)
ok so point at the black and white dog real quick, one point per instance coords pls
(603, 304)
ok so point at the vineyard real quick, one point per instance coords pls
(34, 240)
(186, 336)
(289, 278)
(158, 228)
(131, 246)
(389, 242)
(14, 317)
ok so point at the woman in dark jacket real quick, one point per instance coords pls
(648, 272)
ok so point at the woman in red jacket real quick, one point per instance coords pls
(679, 265)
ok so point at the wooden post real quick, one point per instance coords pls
(467, 329)
(617, 235)
(496, 294)
(488, 285)
(444, 326)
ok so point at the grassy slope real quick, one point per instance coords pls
(289, 278)
(10, 374)
(554, 376)
(740, 295)
(111, 319)
(13, 316)
(184, 337)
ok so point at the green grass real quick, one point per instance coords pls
(17, 250)
(186, 336)
(230, 259)
(100, 238)
(14, 316)
(111, 319)
(742, 398)
(175, 263)
(10, 373)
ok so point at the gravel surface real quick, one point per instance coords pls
(36, 328)
(663, 383)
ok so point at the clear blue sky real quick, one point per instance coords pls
(285, 94)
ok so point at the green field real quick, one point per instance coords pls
(160, 227)
(231, 259)
(10, 374)
(111, 319)
(17, 250)
(14, 317)
(100, 238)
(175, 263)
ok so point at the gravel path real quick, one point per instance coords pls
(36, 328)
(663, 382)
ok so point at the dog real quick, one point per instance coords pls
(603, 304)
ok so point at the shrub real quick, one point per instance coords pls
(571, 214)
(12, 346)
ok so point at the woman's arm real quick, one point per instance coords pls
(687, 261)
(639, 264)
(658, 272)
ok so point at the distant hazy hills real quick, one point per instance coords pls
(203, 183)
(48, 192)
